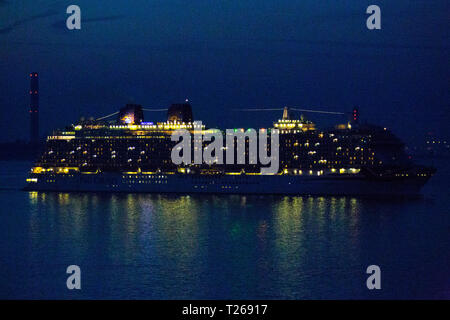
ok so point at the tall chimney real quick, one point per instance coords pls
(34, 107)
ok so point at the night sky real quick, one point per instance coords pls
(227, 54)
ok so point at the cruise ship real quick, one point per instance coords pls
(128, 154)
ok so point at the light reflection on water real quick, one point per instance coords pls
(195, 239)
(272, 237)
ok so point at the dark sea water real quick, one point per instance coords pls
(221, 247)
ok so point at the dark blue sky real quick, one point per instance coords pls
(226, 54)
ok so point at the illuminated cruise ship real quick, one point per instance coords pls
(128, 154)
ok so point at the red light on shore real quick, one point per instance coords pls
(355, 114)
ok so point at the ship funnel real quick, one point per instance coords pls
(180, 112)
(130, 114)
